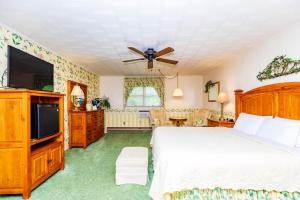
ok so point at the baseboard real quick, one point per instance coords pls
(129, 128)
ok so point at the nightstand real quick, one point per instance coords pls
(213, 123)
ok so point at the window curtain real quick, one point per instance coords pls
(156, 82)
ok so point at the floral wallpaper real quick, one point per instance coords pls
(216, 114)
(64, 70)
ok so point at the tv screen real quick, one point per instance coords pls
(28, 72)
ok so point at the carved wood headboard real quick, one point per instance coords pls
(281, 99)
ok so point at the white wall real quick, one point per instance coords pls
(112, 86)
(241, 73)
(192, 92)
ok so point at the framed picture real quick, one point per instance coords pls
(213, 92)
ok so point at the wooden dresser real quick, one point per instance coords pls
(214, 123)
(85, 127)
(24, 162)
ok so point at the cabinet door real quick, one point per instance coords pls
(89, 118)
(39, 166)
(55, 158)
(77, 126)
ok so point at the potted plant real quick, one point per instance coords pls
(102, 102)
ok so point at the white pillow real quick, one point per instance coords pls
(296, 122)
(298, 141)
(282, 131)
(248, 123)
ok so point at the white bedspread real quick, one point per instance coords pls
(190, 157)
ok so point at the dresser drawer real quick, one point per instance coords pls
(214, 123)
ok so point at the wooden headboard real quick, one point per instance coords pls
(281, 99)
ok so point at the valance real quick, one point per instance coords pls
(156, 82)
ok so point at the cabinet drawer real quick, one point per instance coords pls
(227, 124)
(213, 123)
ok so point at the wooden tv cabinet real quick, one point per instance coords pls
(26, 163)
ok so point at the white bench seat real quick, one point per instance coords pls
(132, 166)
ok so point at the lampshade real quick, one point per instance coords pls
(177, 92)
(222, 98)
(77, 91)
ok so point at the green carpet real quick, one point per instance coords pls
(90, 173)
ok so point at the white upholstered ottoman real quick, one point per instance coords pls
(132, 166)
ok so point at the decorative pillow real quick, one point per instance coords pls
(248, 123)
(198, 122)
(282, 131)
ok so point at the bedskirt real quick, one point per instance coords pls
(228, 194)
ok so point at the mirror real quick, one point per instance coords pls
(213, 92)
(77, 96)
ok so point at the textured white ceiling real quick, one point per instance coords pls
(96, 33)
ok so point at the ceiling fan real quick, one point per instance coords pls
(150, 54)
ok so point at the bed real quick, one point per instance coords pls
(224, 163)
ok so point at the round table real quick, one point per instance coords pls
(179, 121)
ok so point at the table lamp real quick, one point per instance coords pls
(77, 93)
(222, 98)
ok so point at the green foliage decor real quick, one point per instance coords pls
(104, 102)
(280, 66)
(207, 86)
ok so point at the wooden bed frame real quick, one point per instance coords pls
(281, 100)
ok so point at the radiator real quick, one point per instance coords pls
(119, 118)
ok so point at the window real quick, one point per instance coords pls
(143, 96)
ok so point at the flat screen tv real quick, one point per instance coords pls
(28, 72)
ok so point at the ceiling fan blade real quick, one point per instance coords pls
(174, 62)
(164, 51)
(150, 64)
(134, 60)
(137, 51)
